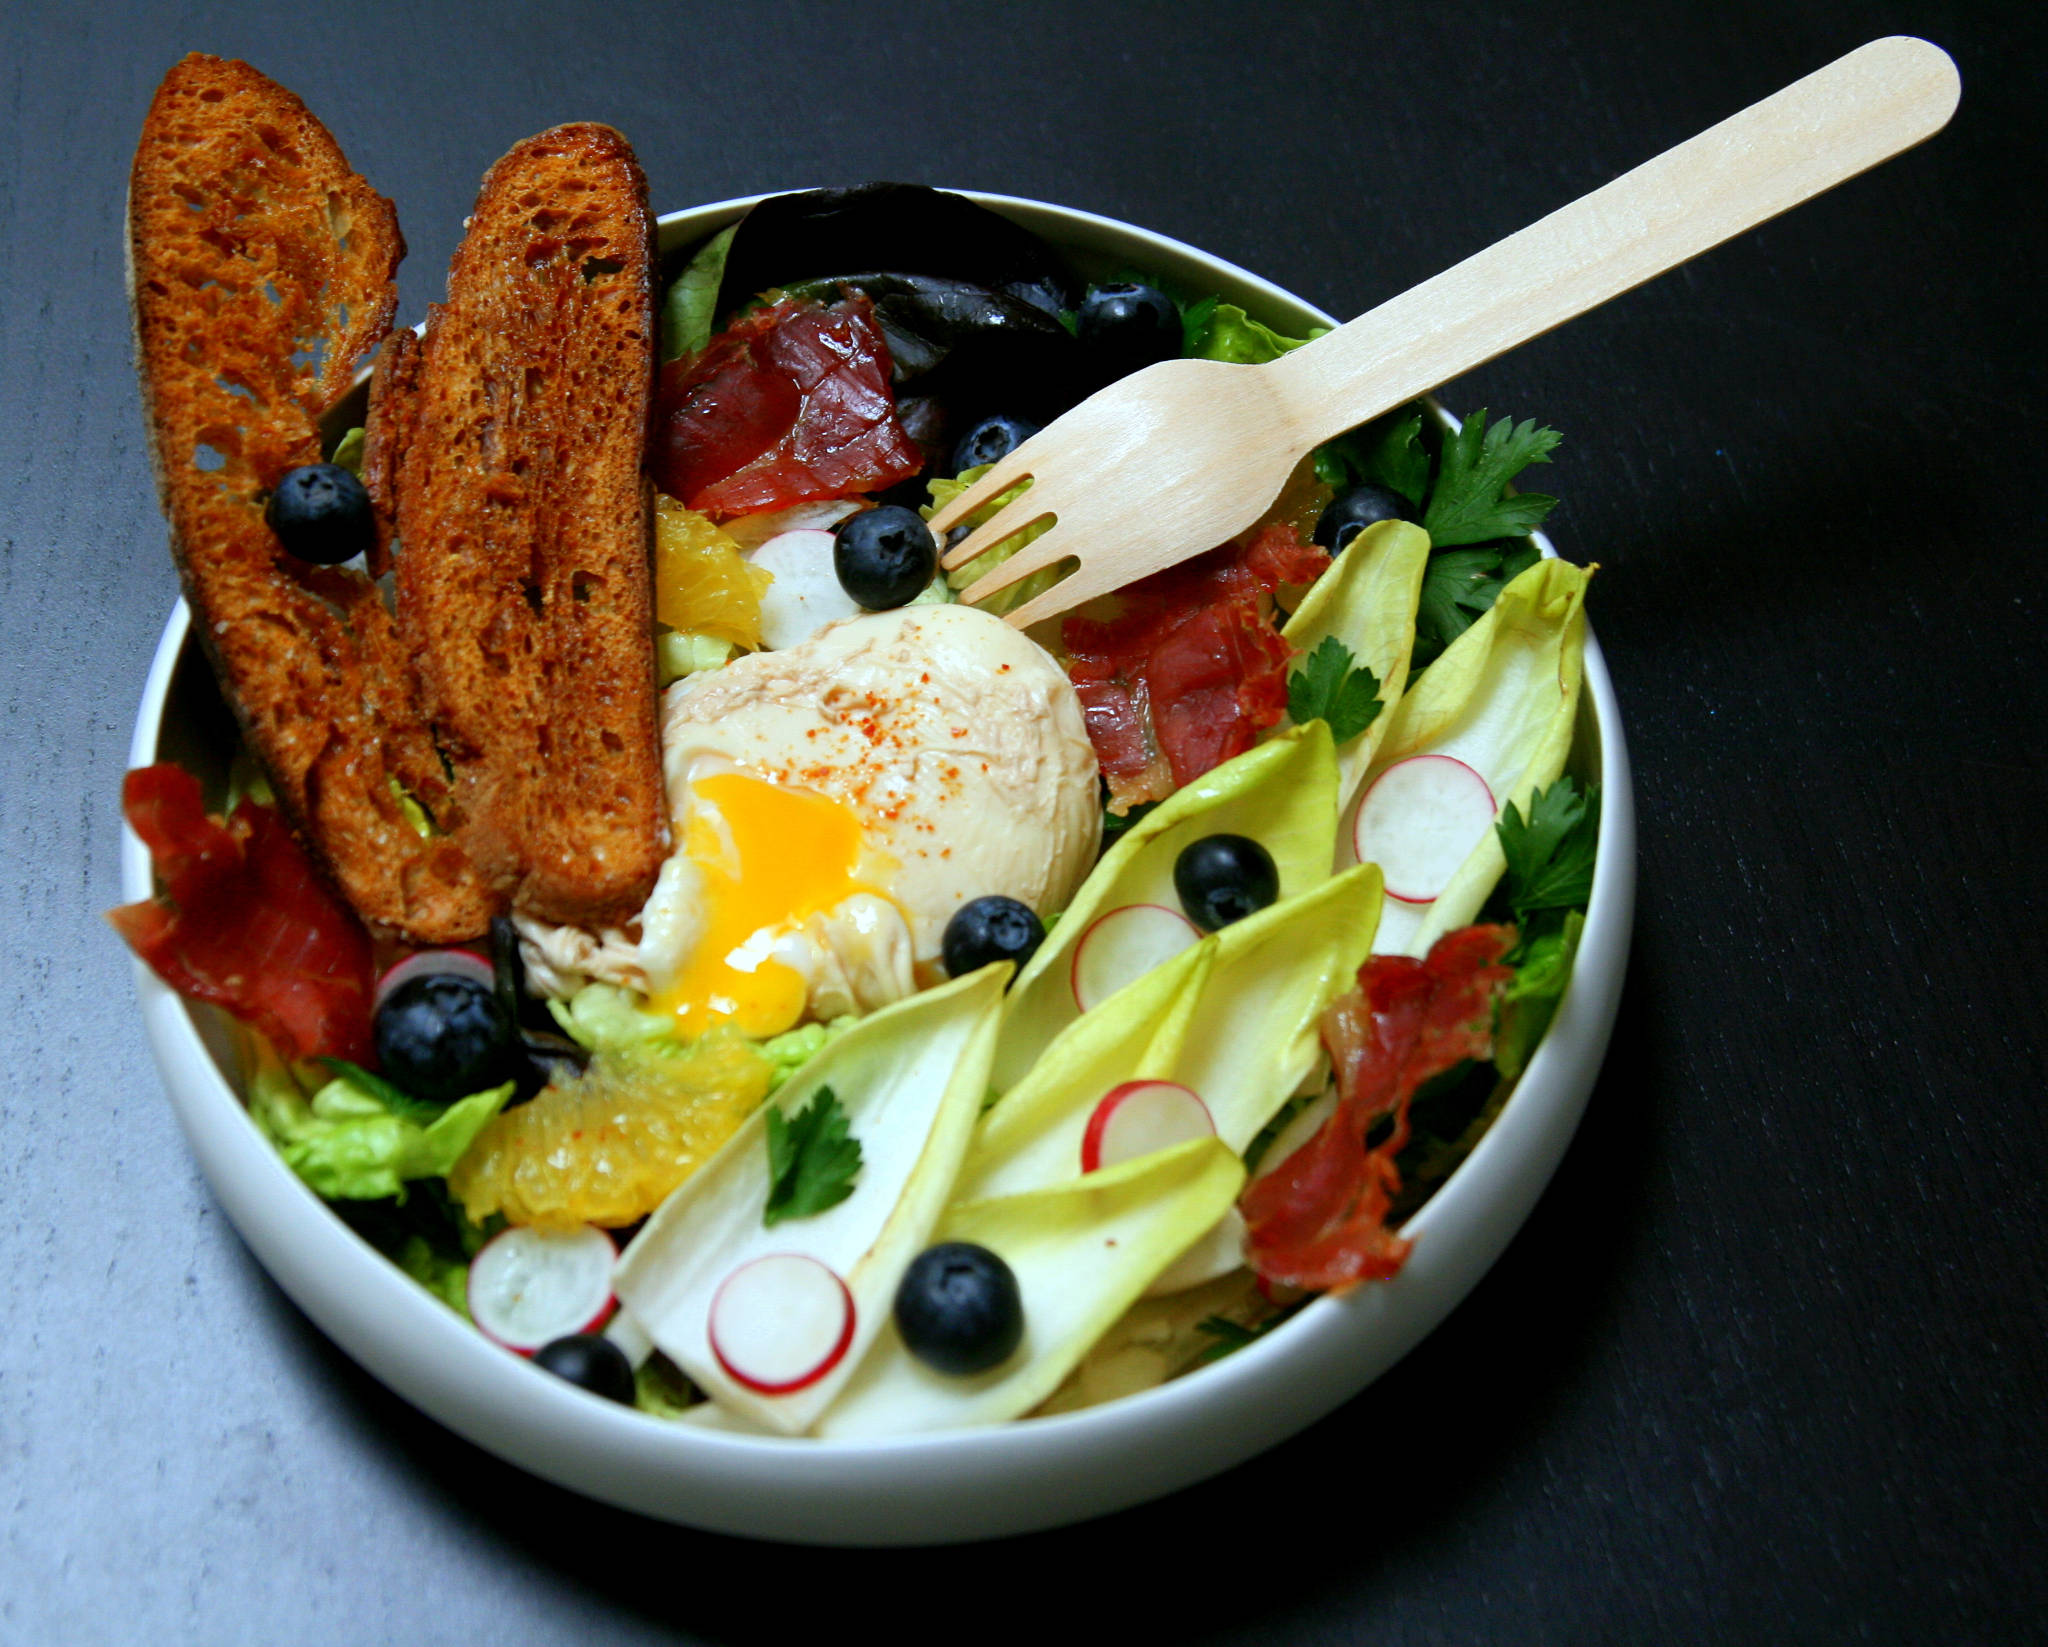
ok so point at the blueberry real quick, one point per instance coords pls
(992, 438)
(1350, 513)
(592, 1362)
(1224, 878)
(958, 1308)
(321, 514)
(1127, 326)
(442, 1036)
(884, 557)
(988, 929)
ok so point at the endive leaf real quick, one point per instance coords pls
(911, 1078)
(1283, 794)
(1082, 1254)
(1234, 1019)
(1502, 699)
(1032, 1135)
(1254, 1034)
(1367, 601)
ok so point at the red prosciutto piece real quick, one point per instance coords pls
(789, 404)
(1318, 1220)
(244, 922)
(1191, 670)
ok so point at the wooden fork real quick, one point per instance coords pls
(1176, 459)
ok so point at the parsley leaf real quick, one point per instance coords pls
(1469, 503)
(1331, 685)
(1550, 853)
(1458, 587)
(1391, 456)
(812, 1161)
(1194, 322)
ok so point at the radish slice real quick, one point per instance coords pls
(1419, 821)
(1124, 945)
(528, 1287)
(461, 962)
(806, 594)
(781, 1323)
(1139, 1117)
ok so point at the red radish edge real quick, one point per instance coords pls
(463, 963)
(533, 1245)
(810, 1375)
(1095, 926)
(1479, 787)
(1178, 1096)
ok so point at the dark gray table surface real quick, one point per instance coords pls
(1767, 1363)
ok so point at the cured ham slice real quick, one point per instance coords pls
(245, 922)
(1318, 1220)
(1191, 669)
(790, 404)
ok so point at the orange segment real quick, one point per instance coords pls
(608, 1147)
(702, 583)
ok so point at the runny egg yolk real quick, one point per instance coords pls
(768, 859)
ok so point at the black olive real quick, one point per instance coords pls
(959, 1309)
(988, 929)
(321, 514)
(1224, 878)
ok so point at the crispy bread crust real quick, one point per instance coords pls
(260, 271)
(507, 448)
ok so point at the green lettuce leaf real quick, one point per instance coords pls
(606, 1018)
(686, 309)
(348, 452)
(943, 491)
(794, 1048)
(1228, 333)
(347, 1145)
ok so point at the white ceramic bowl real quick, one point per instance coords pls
(929, 1488)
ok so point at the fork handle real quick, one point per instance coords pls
(1859, 110)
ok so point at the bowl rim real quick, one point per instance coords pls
(930, 1488)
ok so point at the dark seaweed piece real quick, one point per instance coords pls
(797, 237)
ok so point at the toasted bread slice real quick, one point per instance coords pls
(260, 270)
(506, 448)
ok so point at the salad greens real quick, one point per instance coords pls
(346, 1142)
(689, 312)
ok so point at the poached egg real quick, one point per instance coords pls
(833, 804)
